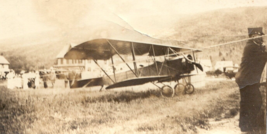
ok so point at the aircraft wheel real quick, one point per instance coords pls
(179, 89)
(189, 89)
(167, 91)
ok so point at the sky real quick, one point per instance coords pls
(26, 17)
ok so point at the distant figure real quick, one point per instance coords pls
(66, 79)
(37, 80)
(18, 81)
(72, 77)
(53, 77)
(248, 79)
(31, 82)
(25, 80)
(45, 78)
(10, 80)
(2, 75)
(224, 69)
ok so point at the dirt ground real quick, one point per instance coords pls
(212, 109)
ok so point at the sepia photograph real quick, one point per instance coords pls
(133, 66)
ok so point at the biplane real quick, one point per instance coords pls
(177, 64)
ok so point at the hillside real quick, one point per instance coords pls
(217, 27)
(218, 23)
(40, 50)
(199, 30)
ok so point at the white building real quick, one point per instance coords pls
(206, 64)
(4, 65)
(89, 69)
(224, 65)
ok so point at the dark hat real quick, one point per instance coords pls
(255, 30)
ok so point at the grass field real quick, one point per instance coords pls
(85, 111)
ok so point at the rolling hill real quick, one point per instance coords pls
(40, 50)
(218, 27)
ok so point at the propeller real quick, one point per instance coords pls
(198, 66)
(189, 58)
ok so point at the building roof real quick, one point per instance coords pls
(3, 60)
(62, 53)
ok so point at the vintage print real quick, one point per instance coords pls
(133, 66)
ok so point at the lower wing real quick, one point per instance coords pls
(98, 81)
(177, 77)
(136, 81)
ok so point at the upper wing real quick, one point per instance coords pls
(101, 49)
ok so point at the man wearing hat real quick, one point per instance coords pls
(248, 79)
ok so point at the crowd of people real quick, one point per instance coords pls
(33, 79)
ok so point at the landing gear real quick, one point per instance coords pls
(189, 88)
(179, 89)
(167, 91)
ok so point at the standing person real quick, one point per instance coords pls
(248, 79)
(66, 79)
(37, 80)
(72, 77)
(32, 79)
(53, 77)
(45, 75)
(10, 80)
(1, 75)
(24, 80)
(18, 81)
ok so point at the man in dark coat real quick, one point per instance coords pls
(248, 79)
(45, 78)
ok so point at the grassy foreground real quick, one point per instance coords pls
(84, 111)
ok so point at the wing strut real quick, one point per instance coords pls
(103, 71)
(113, 68)
(164, 60)
(194, 59)
(134, 61)
(155, 58)
(121, 57)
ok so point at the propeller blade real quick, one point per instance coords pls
(198, 66)
(194, 63)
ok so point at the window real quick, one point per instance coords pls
(61, 61)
